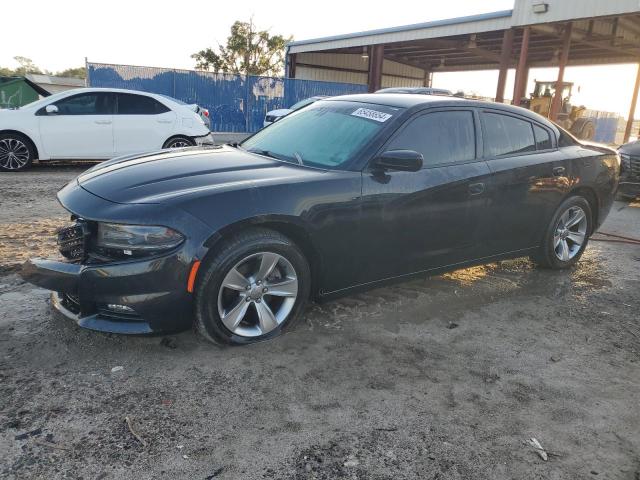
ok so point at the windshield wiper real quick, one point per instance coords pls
(264, 153)
(276, 156)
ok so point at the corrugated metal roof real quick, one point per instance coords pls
(53, 80)
(523, 13)
(437, 28)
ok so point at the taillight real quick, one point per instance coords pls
(205, 112)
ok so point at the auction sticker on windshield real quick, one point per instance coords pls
(372, 114)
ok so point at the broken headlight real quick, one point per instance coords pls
(130, 239)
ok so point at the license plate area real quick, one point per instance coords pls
(72, 241)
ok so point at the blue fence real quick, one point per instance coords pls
(236, 103)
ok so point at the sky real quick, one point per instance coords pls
(164, 33)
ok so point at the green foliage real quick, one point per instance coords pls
(78, 72)
(26, 66)
(249, 51)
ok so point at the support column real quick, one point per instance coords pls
(428, 78)
(556, 102)
(522, 70)
(632, 108)
(505, 60)
(376, 58)
(292, 66)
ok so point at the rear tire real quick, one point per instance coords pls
(16, 152)
(179, 142)
(252, 288)
(567, 235)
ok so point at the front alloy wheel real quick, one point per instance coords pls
(257, 294)
(251, 287)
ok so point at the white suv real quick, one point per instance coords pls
(96, 124)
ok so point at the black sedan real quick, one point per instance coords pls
(345, 194)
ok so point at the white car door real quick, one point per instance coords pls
(141, 123)
(82, 126)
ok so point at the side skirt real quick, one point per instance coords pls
(322, 296)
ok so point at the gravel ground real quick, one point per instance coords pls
(443, 378)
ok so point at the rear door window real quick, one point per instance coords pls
(131, 104)
(543, 139)
(506, 135)
(441, 137)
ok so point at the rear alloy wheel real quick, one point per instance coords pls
(570, 233)
(567, 235)
(253, 288)
(16, 153)
(179, 142)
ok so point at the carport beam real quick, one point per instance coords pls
(376, 58)
(428, 78)
(505, 60)
(292, 66)
(564, 57)
(522, 71)
(632, 109)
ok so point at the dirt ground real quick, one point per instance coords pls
(439, 378)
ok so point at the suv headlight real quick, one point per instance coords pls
(131, 238)
(625, 160)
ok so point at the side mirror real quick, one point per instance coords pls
(51, 109)
(400, 160)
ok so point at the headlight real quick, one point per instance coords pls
(130, 238)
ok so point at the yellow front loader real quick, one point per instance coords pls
(570, 117)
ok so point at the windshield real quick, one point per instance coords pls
(326, 134)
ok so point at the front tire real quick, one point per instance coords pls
(179, 142)
(567, 234)
(252, 289)
(16, 152)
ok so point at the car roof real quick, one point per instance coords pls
(115, 90)
(411, 100)
(423, 90)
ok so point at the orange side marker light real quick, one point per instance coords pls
(192, 276)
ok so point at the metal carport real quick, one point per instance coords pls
(535, 33)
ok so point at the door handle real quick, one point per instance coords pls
(164, 121)
(103, 122)
(476, 188)
(558, 171)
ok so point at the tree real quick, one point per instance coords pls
(249, 51)
(78, 72)
(26, 66)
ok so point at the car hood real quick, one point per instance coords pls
(279, 113)
(632, 148)
(162, 176)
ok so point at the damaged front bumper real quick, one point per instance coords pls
(135, 297)
(204, 140)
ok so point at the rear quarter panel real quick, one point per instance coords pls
(596, 168)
